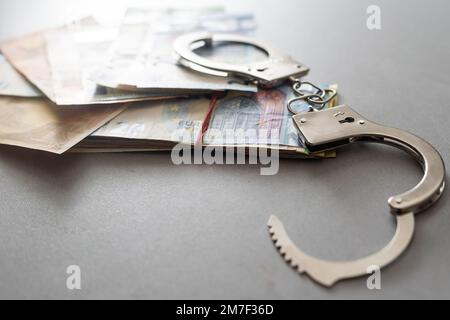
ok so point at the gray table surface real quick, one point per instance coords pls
(140, 227)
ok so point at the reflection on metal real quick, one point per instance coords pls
(339, 126)
(270, 72)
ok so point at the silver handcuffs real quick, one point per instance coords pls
(323, 130)
(268, 73)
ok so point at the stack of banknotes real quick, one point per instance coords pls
(84, 87)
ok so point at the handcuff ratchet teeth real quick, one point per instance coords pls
(339, 126)
(324, 130)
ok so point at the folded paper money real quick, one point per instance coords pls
(142, 57)
(36, 123)
(13, 84)
(159, 126)
(64, 76)
(63, 63)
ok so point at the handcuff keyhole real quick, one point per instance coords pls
(347, 120)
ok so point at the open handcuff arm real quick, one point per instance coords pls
(320, 131)
(342, 125)
(339, 126)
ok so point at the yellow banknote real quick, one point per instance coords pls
(36, 123)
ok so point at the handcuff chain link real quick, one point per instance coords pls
(316, 100)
